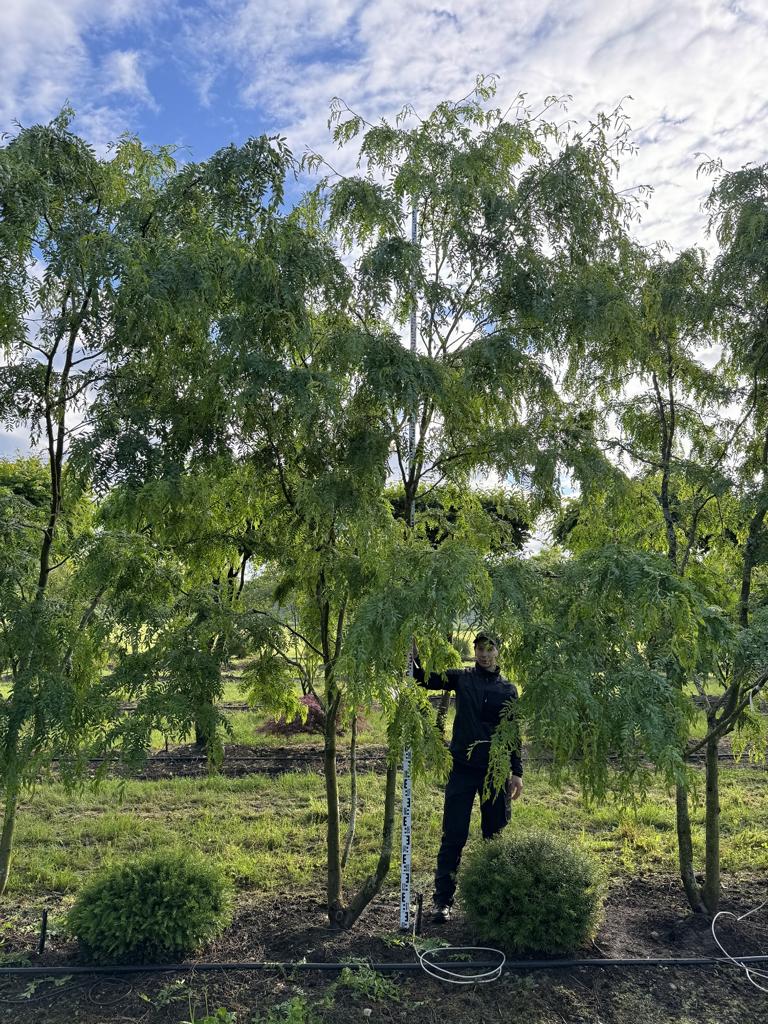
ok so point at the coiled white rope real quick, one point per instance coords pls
(455, 977)
(751, 972)
(460, 978)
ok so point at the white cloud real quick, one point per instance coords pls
(695, 68)
(696, 71)
(48, 56)
(122, 73)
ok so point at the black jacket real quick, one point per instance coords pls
(480, 697)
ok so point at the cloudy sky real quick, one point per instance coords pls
(202, 74)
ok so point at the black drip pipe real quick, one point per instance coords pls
(510, 965)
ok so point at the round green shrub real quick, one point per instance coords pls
(157, 908)
(532, 892)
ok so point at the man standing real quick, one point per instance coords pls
(481, 694)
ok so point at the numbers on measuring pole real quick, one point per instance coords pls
(405, 860)
(405, 844)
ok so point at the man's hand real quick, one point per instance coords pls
(514, 787)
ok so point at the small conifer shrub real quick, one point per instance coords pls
(532, 892)
(157, 908)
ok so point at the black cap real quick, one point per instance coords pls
(487, 638)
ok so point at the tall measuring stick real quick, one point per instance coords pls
(405, 842)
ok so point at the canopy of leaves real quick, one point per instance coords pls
(611, 639)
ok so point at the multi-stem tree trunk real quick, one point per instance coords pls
(342, 916)
(352, 792)
(711, 889)
(334, 888)
(685, 852)
(6, 836)
(371, 887)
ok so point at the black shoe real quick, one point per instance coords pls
(441, 914)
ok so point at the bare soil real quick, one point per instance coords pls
(243, 759)
(645, 918)
(240, 759)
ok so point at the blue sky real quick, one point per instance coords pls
(203, 74)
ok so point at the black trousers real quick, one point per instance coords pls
(464, 784)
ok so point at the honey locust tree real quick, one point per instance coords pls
(682, 430)
(74, 230)
(519, 256)
(314, 389)
(515, 221)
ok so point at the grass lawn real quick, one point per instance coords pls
(249, 824)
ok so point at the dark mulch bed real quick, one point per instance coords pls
(240, 759)
(243, 759)
(644, 918)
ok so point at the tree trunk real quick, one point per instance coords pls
(335, 905)
(442, 711)
(685, 853)
(373, 883)
(352, 793)
(711, 890)
(205, 733)
(6, 836)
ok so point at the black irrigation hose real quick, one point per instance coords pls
(45, 995)
(307, 758)
(233, 758)
(510, 965)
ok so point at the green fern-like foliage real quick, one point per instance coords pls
(158, 908)
(532, 892)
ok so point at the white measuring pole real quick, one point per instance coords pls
(405, 841)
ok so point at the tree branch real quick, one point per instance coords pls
(725, 724)
(293, 632)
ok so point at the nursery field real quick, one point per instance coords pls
(266, 831)
(248, 497)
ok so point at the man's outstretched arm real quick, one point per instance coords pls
(434, 681)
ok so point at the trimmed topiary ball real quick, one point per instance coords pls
(532, 892)
(160, 907)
